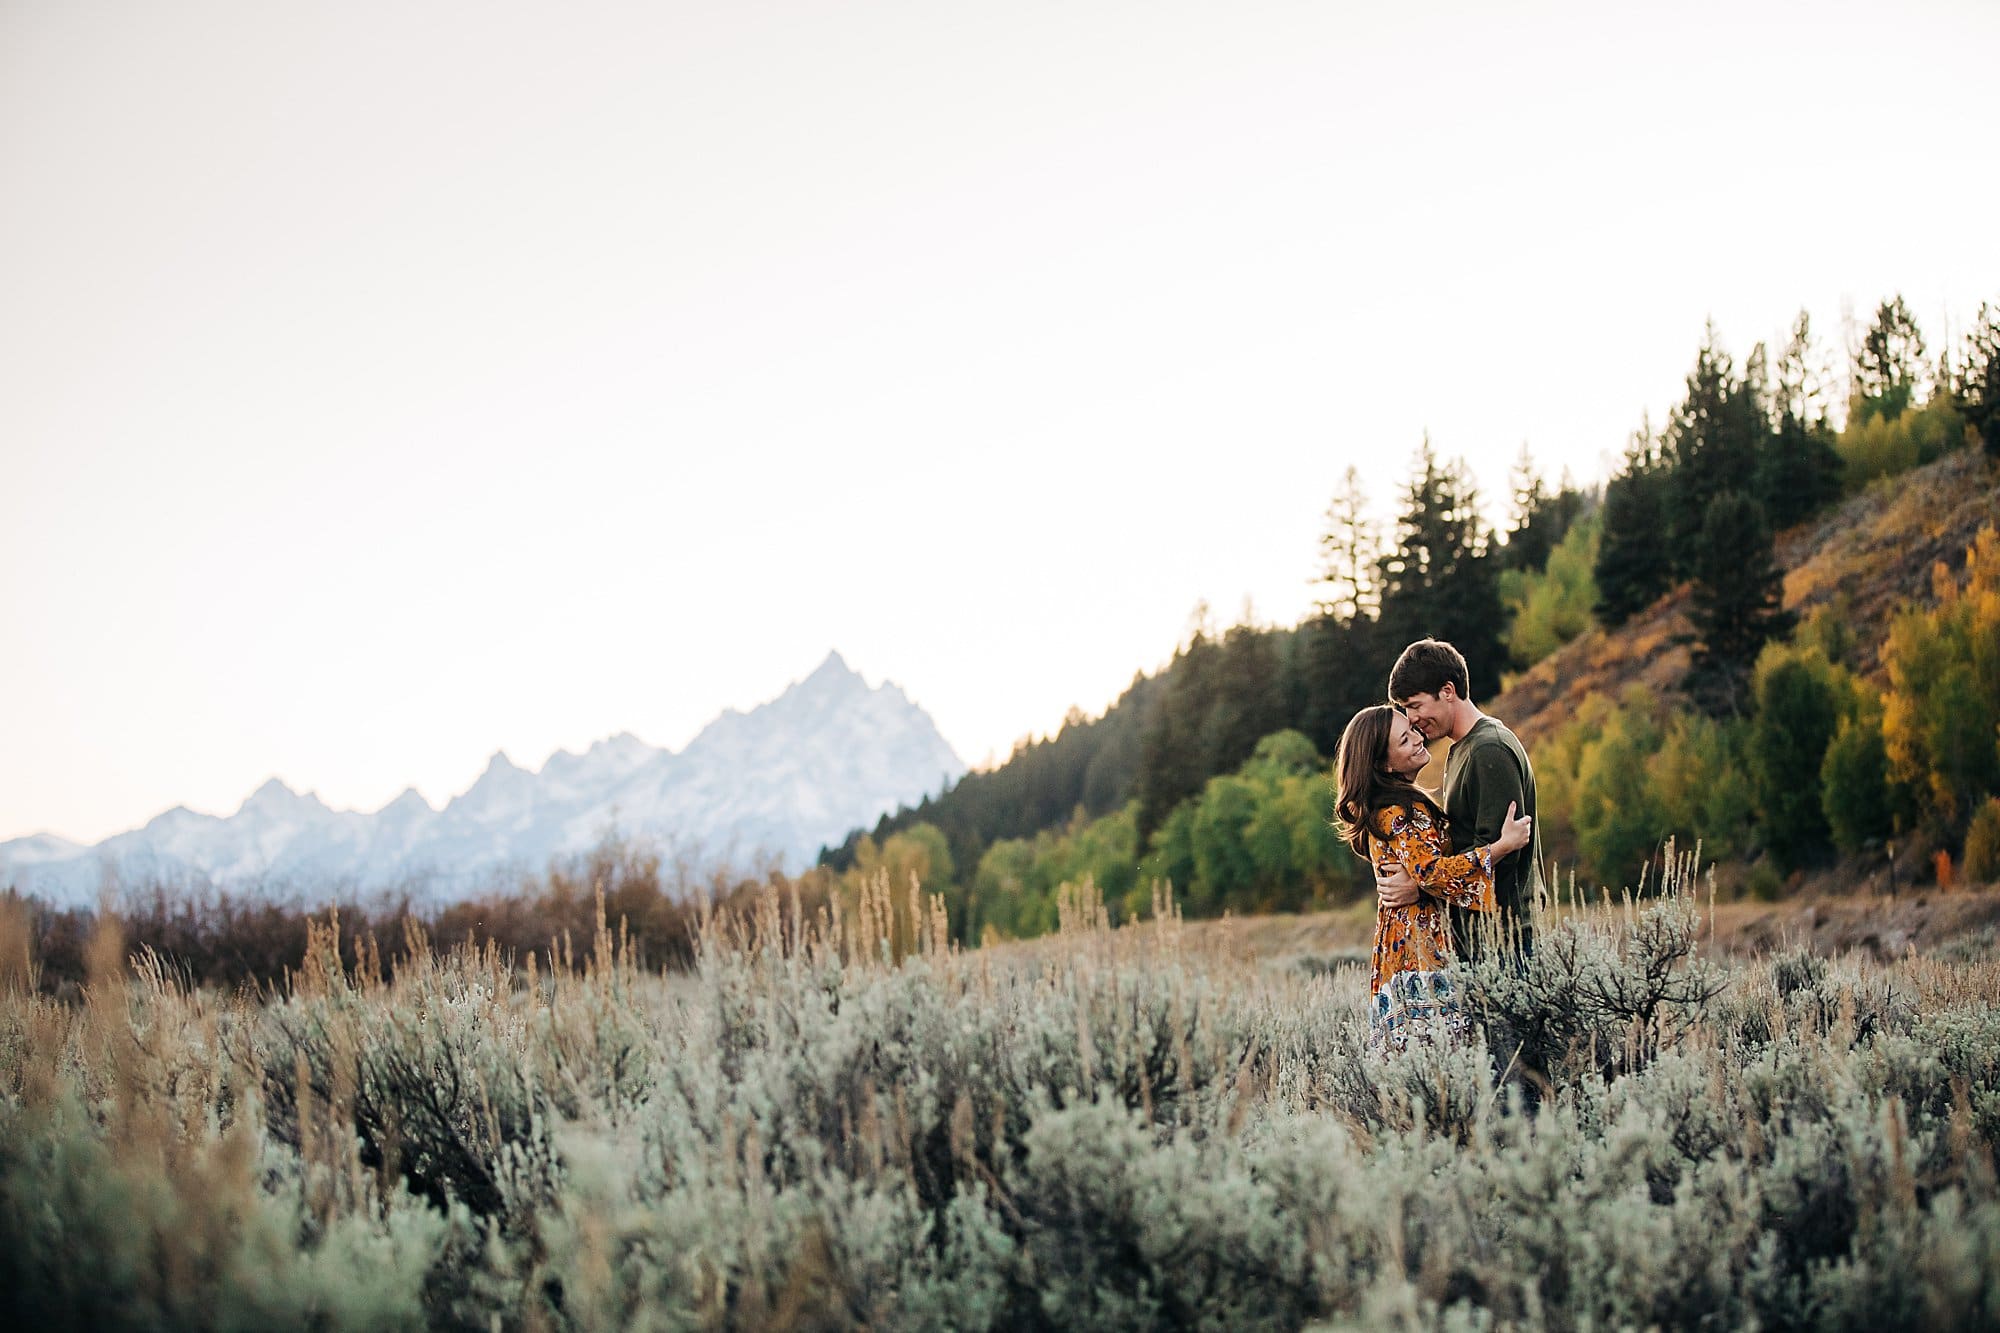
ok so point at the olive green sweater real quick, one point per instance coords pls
(1484, 772)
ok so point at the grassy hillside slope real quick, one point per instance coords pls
(1860, 561)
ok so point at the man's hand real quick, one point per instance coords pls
(1394, 886)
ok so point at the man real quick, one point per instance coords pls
(1486, 771)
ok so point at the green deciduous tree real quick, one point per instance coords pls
(1613, 805)
(1093, 762)
(1258, 839)
(1170, 851)
(1941, 722)
(1015, 892)
(1800, 698)
(1702, 780)
(1625, 775)
(1982, 844)
(1547, 609)
(1860, 801)
(1224, 869)
(1877, 446)
(1012, 902)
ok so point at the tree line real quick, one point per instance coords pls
(1210, 773)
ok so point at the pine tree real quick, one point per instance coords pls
(1172, 764)
(1249, 703)
(1112, 770)
(1528, 545)
(1979, 379)
(1736, 599)
(1438, 577)
(1712, 443)
(1888, 364)
(1634, 563)
(1799, 472)
(1540, 519)
(1348, 550)
(1333, 670)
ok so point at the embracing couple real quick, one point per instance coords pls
(1456, 873)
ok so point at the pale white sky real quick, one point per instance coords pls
(384, 383)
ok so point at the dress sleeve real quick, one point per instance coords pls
(1412, 839)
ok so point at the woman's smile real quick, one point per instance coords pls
(1407, 752)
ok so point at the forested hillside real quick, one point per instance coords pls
(1768, 631)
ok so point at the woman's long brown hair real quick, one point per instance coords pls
(1364, 784)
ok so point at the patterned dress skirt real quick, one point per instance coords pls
(1415, 1009)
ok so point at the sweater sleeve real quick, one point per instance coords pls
(1495, 783)
(1411, 839)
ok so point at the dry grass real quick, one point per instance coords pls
(1962, 923)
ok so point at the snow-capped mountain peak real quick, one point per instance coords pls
(834, 667)
(276, 799)
(620, 748)
(606, 760)
(38, 847)
(832, 678)
(409, 804)
(180, 817)
(828, 755)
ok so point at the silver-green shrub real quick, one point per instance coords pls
(1142, 1128)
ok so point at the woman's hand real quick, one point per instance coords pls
(1514, 833)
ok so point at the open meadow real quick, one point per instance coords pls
(773, 666)
(838, 1120)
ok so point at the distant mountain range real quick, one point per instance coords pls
(828, 755)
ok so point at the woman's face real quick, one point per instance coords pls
(1407, 752)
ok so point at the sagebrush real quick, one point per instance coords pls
(1123, 1128)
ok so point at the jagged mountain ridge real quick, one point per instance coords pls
(829, 754)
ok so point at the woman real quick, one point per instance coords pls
(1391, 823)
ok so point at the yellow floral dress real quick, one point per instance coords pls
(1410, 995)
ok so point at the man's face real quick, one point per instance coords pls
(1431, 713)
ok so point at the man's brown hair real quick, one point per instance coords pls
(1426, 667)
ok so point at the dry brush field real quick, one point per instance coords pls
(838, 1122)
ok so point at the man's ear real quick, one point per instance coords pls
(1448, 691)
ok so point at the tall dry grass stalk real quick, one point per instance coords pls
(20, 971)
